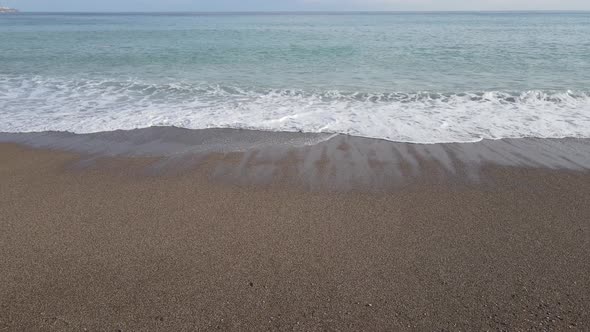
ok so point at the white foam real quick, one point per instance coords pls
(42, 104)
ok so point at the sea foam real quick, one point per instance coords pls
(30, 104)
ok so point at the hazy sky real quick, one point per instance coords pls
(286, 5)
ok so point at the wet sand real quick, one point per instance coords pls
(107, 243)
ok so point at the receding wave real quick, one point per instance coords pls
(82, 106)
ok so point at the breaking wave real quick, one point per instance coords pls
(90, 105)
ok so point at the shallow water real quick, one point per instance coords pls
(404, 77)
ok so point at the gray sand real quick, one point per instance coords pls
(107, 247)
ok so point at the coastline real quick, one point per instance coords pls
(311, 161)
(284, 232)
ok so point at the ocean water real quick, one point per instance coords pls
(416, 77)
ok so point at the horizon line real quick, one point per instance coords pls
(311, 11)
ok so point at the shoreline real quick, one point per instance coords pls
(251, 240)
(310, 161)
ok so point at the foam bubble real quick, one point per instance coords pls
(83, 106)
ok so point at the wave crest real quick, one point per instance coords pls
(82, 106)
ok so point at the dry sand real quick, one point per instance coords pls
(107, 248)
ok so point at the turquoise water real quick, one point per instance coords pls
(409, 77)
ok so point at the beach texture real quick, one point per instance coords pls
(110, 247)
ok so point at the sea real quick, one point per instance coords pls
(410, 77)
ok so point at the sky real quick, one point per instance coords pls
(293, 5)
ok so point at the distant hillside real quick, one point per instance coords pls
(5, 10)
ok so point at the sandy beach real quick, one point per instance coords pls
(295, 165)
(106, 246)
